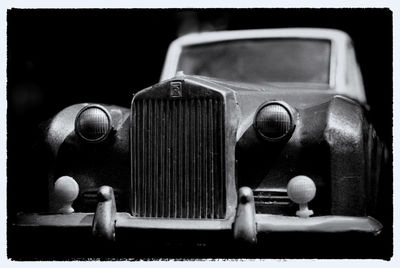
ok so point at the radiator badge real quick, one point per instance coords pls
(175, 89)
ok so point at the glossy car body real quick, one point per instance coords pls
(187, 156)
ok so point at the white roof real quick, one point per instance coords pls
(217, 36)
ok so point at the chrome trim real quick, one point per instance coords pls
(231, 111)
(123, 220)
(323, 224)
(265, 223)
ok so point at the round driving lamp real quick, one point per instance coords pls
(66, 190)
(93, 123)
(274, 121)
(301, 189)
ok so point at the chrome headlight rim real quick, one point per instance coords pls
(109, 123)
(291, 112)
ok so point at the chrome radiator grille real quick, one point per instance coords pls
(178, 158)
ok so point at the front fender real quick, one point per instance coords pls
(91, 165)
(350, 139)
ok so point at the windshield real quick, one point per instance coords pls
(260, 60)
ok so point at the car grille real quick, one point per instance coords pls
(178, 158)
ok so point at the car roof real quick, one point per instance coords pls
(218, 36)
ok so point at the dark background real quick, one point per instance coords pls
(60, 57)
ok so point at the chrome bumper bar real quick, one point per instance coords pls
(246, 225)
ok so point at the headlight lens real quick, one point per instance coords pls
(93, 123)
(274, 121)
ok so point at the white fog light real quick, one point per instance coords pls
(301, 190)
(66, 190)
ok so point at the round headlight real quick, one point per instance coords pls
(274, 121)
(93, 123)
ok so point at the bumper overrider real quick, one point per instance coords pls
(245, 225)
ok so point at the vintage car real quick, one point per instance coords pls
(251, 132)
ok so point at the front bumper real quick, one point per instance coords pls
(87, 234)
(265, 223)
(65, 237)
(245, 226)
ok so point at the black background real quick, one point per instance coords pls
(61, 57)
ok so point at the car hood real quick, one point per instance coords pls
(250, 96)
(300, 95)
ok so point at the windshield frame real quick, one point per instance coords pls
(226, 43)
(333, 36)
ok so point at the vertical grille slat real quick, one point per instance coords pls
(204, 160)
(215, 166)
(198, 160)
(218, 168)
(149, 190)
(142, 174)
(222, 200)
(135, 168)
(162, 162)
(211, 164)
(174, 148)
(179, 158)
(181, 167)
(168, 158)
(192, 154)
(187, 159)
(155, 155)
